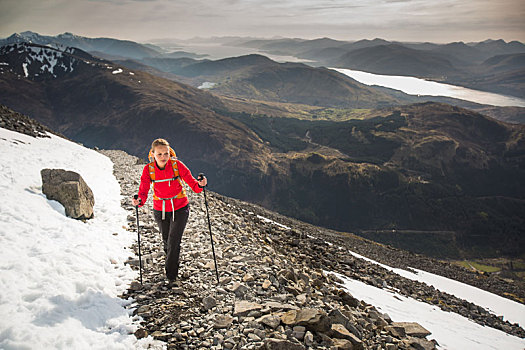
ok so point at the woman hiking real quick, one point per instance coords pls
(170, 203)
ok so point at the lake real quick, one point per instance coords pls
(416, 86)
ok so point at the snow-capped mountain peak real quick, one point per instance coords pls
(34, 61)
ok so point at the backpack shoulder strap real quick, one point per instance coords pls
(151, 167)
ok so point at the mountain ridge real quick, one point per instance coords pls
(126, 48)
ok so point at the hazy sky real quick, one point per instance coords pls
(140, 20)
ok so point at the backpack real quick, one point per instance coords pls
(151, 165)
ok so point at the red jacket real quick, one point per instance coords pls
(167, 189)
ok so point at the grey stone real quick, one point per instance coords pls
(420, 344)
(135, 286)
(312, 319)
(271, 321)
(141, 333)
(341, 344)
(299, 332)
(396, 331)
(243, 308)
(412, 329)
(70, 190)
(339, 331)
(161, 335)
(209, 303)
(222, 321)
(239, 289)
(280, 306)
(281, 344)
(308, 339)
(254, 337)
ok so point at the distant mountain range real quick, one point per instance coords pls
(124, 48)
(257, 77)
(317, 49)
(429, 168)
(457, 63)
(396, 59)
(465, 64)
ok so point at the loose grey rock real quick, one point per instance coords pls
(342, 344)
(243, 308)
(308, 338)
(280, 344)
(412, 329)
(222, 321)
(312, 319)
(239, 289)
(209, 303)
(272, 321)
(141, 333)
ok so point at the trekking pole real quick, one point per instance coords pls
(200, 177)
(138, 235)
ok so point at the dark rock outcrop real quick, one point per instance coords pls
(14, 121)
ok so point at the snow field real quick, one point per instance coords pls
(60, 278)
(450, 330)
(510, 310)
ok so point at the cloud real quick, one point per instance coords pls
(450, 20)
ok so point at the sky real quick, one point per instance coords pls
(143, 20)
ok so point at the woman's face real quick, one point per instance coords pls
(162, 155)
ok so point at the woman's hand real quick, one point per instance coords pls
(135, 201)
(202, 180)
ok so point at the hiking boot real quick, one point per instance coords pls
(174, 283)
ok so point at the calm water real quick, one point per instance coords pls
(416, 86)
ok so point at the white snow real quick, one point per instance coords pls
(512, 311)
(131, 73)
(24, 67)
(60, 278)
(207, 85)
(4, 64)
(118, 71)
(273, 222)
(47, 57)
(452, 331)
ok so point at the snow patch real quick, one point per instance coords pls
(451, 330)
(273, 222)
(207, 85)
(118, 71)
(512, 311)
(24, 67)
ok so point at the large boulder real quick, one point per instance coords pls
(312, 319)
(412, 329)
(70, 190)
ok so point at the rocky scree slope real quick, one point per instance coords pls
(14, 121)
(274, 292)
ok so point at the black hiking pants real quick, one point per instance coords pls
(171, 236)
